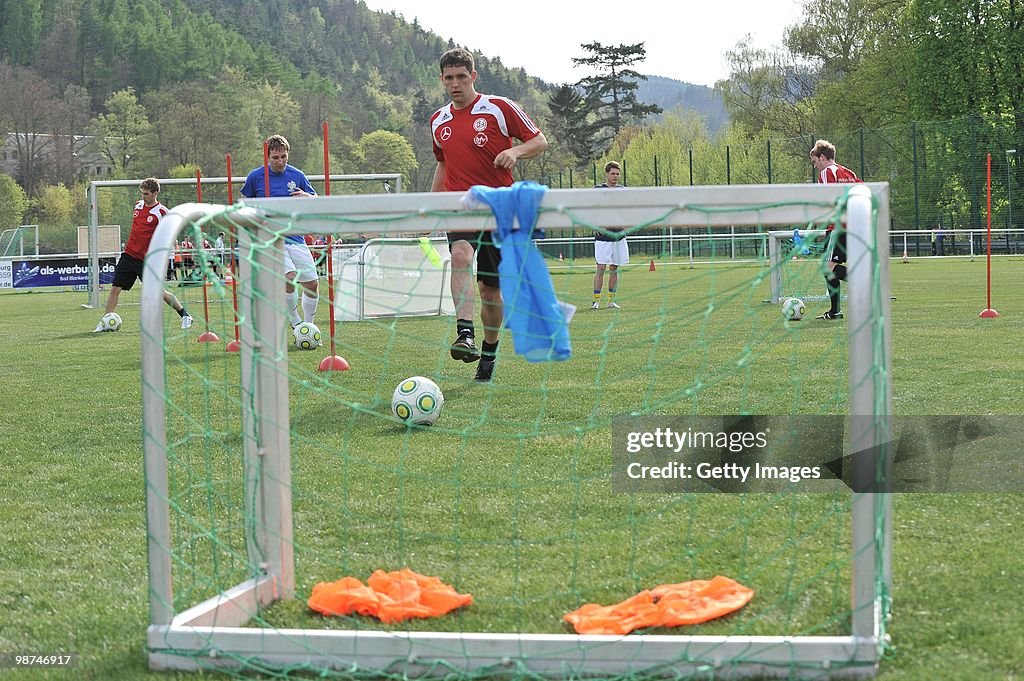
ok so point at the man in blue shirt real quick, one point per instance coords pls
(287, 180)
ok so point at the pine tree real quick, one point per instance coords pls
(612, 92)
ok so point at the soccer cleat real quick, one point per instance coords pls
(186, 321)
(100, 328)
(830, 315)
(464, 348)
(595, 306)
(484, 370)
(612, 304)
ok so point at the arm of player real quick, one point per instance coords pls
(532, 147)
(438, 183)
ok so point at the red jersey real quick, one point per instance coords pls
(144, 222)
(837, 174)
(467, 140)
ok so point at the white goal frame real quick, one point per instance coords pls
(213, 633)
(776, 259)
(94, 211)
(356, 303)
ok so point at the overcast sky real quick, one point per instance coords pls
(685, 40)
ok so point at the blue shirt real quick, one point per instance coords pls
(281, 184)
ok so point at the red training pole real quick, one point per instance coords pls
(235, 345)
(227, 158)
(206, 336)
(266, 170)
(333, 362)
(327, 166)
(988, 312)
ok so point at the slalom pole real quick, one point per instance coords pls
(206, 336)
(988, 312)
(327, 164)
(266, 170)
(235, 345)
(332, 362)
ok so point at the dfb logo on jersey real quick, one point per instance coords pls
(480, 140)
(480, 124)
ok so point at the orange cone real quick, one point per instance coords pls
(651, 268)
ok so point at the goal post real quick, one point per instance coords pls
(259, 487)
(392, 182)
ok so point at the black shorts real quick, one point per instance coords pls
(127, 271)
(839, 252)
(488, 257)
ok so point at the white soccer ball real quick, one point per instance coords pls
(417, 400)
(111, 321)
(793, 309)
(307, 336)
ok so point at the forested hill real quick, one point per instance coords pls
(107, 45)
(669, 94)
(190, 80)
(213, 76)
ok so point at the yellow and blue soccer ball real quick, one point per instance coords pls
(793, 309)
(417, 400)
(307, 336)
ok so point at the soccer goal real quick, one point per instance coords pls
(386, 277)
(798, 259)
(111, 202)
(266, 479)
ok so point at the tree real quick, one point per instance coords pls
(53, 209)
(68, 126)
(120, 132)
(612, 92)
(22, 26)
(569, 122)
(13, 202)
(765, 90)
(29, 103)
(383, 151)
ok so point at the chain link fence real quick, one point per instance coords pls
(937, 171)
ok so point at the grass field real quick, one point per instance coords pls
(482, 499)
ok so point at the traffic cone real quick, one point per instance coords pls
(651, 268)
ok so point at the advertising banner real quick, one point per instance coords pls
(56, 272)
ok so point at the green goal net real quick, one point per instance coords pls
(266, 477)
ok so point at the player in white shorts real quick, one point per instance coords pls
(609, 251)
(287, 180)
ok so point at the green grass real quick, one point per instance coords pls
(507, 497)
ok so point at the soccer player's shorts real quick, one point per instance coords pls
(488, 257)
(611, 252)
(127, 271)
(839, 252)
(297, 258)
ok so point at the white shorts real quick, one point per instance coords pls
(297, 258)
(611, 252)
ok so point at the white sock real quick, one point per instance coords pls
(291, 303)
(309, 304)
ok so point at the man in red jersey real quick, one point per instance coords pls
(473, 145)
(146, 216)
(823, 157)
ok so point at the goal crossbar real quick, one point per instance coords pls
(212, 632)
